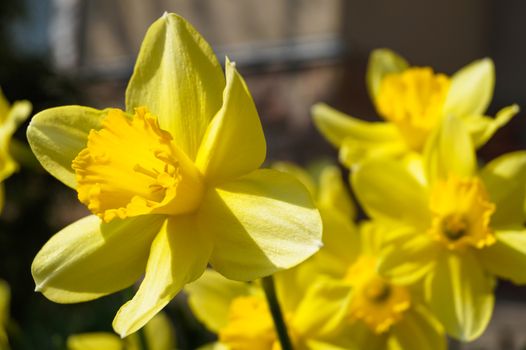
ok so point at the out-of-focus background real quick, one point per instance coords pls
(292, 53)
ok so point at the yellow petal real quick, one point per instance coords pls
(507, 257)
(234, 144)
(210, 296)
(460, 294)
(322, 310)
(87, 259)
(160, 333)
(504, 178)
(5, 299)
(19, 112)
(57, 135)
(450, 151)
(362, 337)
(299, 173)
(419, 331)
(382, 62)
(94, 341)
(179, 255)
(337, 126)
(482, 128)
(178, 78)
(333, 193)
(388, 191)
(263, 222)
(471, 89)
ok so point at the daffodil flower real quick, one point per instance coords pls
(10, 118)
(173, 183)
(463, 226)
(5, 297)
(238, 312)
(413, 101)
(368, 310)
(159, 334)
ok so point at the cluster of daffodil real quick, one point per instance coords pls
(177, 197)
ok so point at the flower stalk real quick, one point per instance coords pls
(275, 310)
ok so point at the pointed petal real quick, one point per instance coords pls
(299, 173)
(179, 255)
(234, 144)
(505, 181)
(261, 223)
(471, 89)
(16, 115)
(382, 62)
(388, 191)
(507, 257)
(87, 259)
(482, 128)
(337, 126)
(419, 331)
(210, 296)
(450, 151)
(178, 78)
(460, 294)
(333, 193)
(94, 341)
(57, 135)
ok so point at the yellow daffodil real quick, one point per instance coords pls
(5, 297)
(413, 101)
(462, 226)
(173, 184)
(238, 312)
(10, 118)
(159, 334)
(370, 310)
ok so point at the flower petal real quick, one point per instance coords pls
(210, 296)
(263, 222)
(450, 151)
(57, 135)
(333, 194)
(89, 259)
(234, 144)
(337, 126)
(299, 173)
(94, 341)
(179, 255)
(482, 128)
(178, 78)
(505, 181)
(419, 331)
(382, 62)
(388, 191)
(471, 89)
(5, 300)
(507, 257)
(16, 115)
(160, 333)
(460, 294)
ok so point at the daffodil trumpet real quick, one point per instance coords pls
(173, 184)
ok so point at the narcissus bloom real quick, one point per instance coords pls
(238, 312)
(173, 183)
(5, 297)
(413, 101)
(159, 334)
(368, 310)
(10, 118)
(462, 226)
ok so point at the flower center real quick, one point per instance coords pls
(131, 167)
(461, 213)
(375, 301)
(413, 100)
(250, 325)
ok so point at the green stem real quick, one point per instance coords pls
(275, 310)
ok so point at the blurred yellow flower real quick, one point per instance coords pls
(239, 314)
(5, 297)
(159, 334)
(11, 116)
(413, 101)
(462, 226)
(173, 182)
